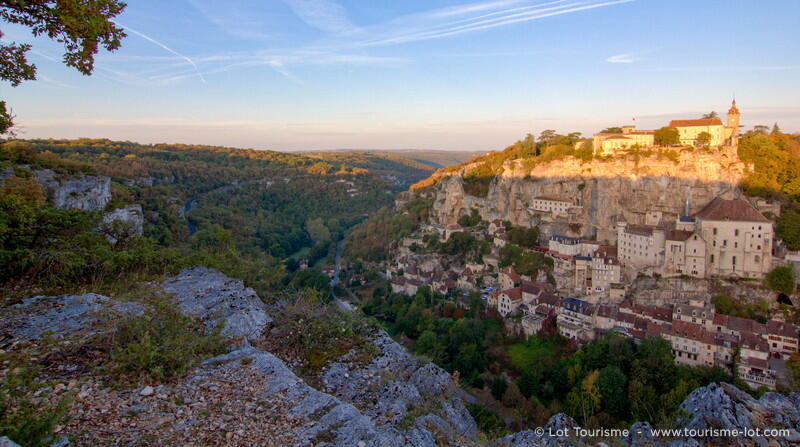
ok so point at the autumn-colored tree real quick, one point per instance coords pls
(703, 139)
(83, 26)
(667, 136)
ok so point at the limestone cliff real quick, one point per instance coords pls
(606, 190)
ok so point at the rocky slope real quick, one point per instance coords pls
(251, 397)
(606, 189)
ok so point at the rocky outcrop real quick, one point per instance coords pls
(81, 192)
(606, 190)
(723, 406)
(210, 296)
(123, 224)
(395, 390)
(61, 316)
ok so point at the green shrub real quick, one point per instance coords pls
(24, 418)
(488, 421)
(164, 344)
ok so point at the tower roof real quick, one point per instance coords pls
(733, 110)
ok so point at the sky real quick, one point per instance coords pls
(428, 74)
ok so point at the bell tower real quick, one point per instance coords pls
(734, 118)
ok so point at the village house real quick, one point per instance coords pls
(639, 246)
(565, 245)
(575, 319)
(509, 300)
(508, 278)
(452, 229)
(554, 205)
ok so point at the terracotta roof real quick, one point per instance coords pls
(736, 209)
(644, 230)
(549, 299)
(554, 198)
(678, 235)
(515, 294)
(511, 273)
(695, 123)
(781, 328)
(454, 227)
(535, 288)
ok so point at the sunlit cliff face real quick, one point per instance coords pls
(603, 190)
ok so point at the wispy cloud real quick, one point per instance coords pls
(625, 58)
(326, 15)
(164, 47)
(345, 43)
(449, 22)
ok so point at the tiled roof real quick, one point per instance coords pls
(697, 122)
(515, 294)
(678, 235)
(736, 209)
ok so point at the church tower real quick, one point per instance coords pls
(733, 123)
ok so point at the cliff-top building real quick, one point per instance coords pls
(688, 132)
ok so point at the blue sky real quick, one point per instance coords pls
(437, 74)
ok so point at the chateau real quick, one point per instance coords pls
(719, 134)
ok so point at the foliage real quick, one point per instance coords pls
(776, 163)
(372, 239)
(611, 130)
(25, 415)
(788, 228)
(164, 344)
(488, 421)
(703, 138)
(781, 279)
(524, 237)
(667, 136)
(524, 262)
(82, 26)
(728, 306)
(471, 219)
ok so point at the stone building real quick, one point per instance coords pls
(738, 239)
(639, 246)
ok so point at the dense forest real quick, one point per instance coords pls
(254, 214)
(610, 382)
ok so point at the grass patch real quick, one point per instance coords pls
(162, 344)
(527, 356)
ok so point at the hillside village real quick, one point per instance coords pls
(584, 284)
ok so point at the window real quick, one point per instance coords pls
(735, 232)
(734, 261)
(715, 231)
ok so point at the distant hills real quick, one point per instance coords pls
(401, 167)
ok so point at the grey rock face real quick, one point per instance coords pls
(395, 390)
(82, 192)
(557, 433)
(724, 406)
(337, 420)
(209, 295)
(5, 442)
(123, 224)
(62, 316)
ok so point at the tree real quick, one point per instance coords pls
(761, 129)
(711, 114)
(667, 136)
(547, 136)
(788, 229)
(612, 130)
(775, 129)
(317, 230)
(781, 279)
(512, 397)
(81, 25)
(612, 383)
(498, 387)
(703, 138)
